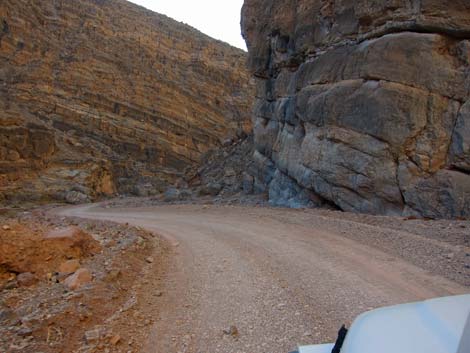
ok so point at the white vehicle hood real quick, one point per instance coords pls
(432, 326)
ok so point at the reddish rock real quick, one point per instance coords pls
(75, 242)
(26, 279)
(80, 278)
(69, 266)
(23, 249)
(115, 340)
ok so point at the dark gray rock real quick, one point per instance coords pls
(186, 194)
(24, 332)
(248, 183)
(211, 189)
(285, 192)
(362, 104)
(172, 195)
(460, 149)
(444, 194)
(76, 197)
(145, 189)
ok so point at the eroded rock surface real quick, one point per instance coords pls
(363, 104)
(99, 97)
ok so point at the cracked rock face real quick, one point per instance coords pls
(98, 97)
(365, 105)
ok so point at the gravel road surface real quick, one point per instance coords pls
(273, 278)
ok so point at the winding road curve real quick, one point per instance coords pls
(279, 279)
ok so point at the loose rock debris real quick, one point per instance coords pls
(64, 283)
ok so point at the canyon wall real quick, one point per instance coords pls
(362, 105)
(103, 96)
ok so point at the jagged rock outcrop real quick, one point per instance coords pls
(103, 96)
(362, 105)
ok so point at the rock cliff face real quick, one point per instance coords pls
(362, 105)
(103, 96)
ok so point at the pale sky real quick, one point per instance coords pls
(219, 19)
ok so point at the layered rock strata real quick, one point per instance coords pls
(364, 106)
(103, 96)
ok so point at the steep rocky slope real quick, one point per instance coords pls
(103, 96)
(362, 105)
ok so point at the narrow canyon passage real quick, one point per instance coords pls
(280, 278)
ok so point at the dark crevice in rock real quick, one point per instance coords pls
(354, 170)
(5, 30)
(373, 78)
(459, 169)
(394, 28)
(328, 201)
(283, 184)
(5, 27)
(350, 189)
(367, 134)
(397, 179)
(369, 78)
(6, 268)
(414, 27)
(331, 205)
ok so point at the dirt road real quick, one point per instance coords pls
(283, 277)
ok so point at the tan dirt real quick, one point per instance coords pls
(286, 277)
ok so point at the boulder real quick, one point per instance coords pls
(76, 197)
(144, 189)
(186, 194)
(69, 266)
(172, 194)
(210, 189)
(443, 194)
(26, 279)
(24, 332)
(74, 242)
(24, 250)
(80, 278)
